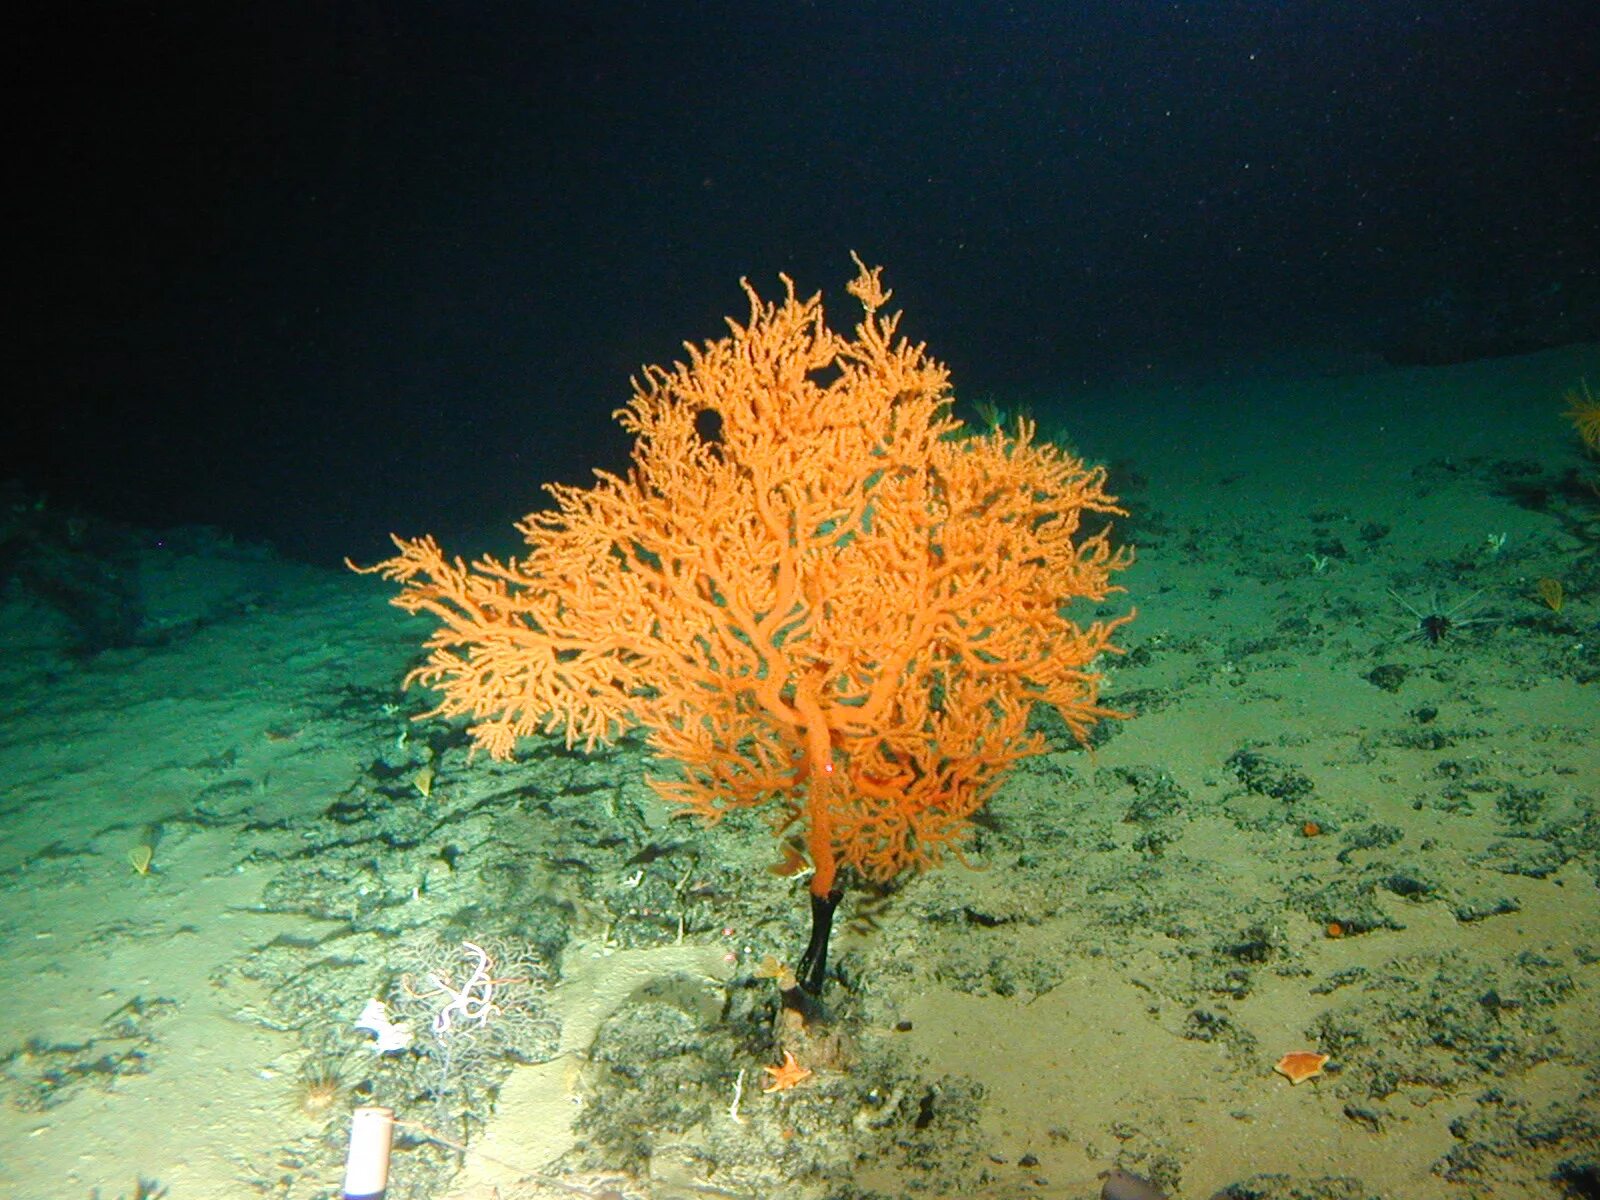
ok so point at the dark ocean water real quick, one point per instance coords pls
(314, 273)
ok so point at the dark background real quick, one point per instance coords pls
(313, 273)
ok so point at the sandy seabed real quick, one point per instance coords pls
(1318, 831)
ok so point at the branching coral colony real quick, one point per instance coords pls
(813, 590)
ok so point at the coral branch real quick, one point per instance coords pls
(813, 588)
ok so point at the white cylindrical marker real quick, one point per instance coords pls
(366, 1165)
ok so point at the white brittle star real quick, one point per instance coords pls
(473, 1000)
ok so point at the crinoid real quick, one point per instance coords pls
(1436, 622)
(1583, 410)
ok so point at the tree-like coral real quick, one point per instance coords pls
(813, 588)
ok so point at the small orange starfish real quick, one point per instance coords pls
(1300, 1065)
(786, 1075)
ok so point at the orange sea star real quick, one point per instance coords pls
(1300, 1065)
(785, 1075)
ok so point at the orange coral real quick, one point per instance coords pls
(812, 587)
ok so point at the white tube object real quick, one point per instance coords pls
(366, 1164)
